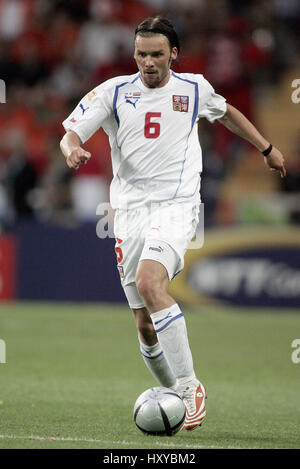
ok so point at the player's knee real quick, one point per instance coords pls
(148, 287)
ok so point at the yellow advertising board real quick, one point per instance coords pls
(242, 267)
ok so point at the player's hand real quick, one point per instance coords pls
(77, 157)
(275, 162)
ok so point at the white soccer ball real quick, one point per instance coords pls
(159, 411)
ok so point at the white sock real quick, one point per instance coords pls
(170, 327)
(156, 362)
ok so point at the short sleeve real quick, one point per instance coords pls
(90, 113)
(212, 106)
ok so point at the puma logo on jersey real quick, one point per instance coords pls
(82, 108)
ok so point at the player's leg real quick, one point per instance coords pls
(145, 329)
(151, 350)
(152, 281)
(129, 246)
(130, 249)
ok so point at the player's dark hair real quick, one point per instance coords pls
(159, 25)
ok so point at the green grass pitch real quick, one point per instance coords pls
(74, 371)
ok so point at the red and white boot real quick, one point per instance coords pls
(193, 395)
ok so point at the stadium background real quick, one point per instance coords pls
(53, 52)
(73, 369)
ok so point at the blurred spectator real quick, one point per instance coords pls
(52, 198)
(8, 67)
(122, 64)
(14, 15)
(105, 9)
(68, 77)
(97, 32)
(31, 69)
(290, 185)
(19, 177)
(233, 62)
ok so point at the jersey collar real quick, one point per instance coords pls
(164, 88)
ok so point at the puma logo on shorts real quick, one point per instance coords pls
(159, 249)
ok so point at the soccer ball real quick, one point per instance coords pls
(159, 411)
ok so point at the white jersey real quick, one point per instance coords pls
(155, 150)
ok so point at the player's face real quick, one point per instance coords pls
(153, 58)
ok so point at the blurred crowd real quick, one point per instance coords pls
(52, 52)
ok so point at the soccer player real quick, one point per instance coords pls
(151, 121)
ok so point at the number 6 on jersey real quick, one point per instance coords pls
(152, 129)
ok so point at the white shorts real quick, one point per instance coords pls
(159, 231)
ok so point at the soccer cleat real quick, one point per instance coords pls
(193, 396)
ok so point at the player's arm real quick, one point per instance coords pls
(237, 123)
(70, 146)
